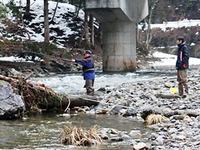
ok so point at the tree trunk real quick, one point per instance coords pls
(91, 25)
(27, 8)
(86, 31)
(148, 35)
(54, 13)
(38, 97)
(46, 22)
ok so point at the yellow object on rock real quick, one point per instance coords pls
(174, 90)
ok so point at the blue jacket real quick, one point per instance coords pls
(182, 57)
(88, 68)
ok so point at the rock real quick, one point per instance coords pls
(11, 104)
(104, 136)
(116, 139)
(135, 133)
(198, 118)
(113, 131)
(102, 111)
(168, 85)
(130, 112)
(125, 137)
(141, 146)
(187, 118)
(180, 137)
(116, 110)
(160, 140)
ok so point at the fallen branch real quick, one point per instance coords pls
(38, 97)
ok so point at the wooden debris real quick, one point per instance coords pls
(39, 98)
(167, 96)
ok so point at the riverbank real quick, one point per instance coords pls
(128, 95)
(181, 131)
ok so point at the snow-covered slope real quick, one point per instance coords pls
(63, 28)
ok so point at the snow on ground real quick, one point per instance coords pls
(19, 59)
(12, 59)
(170, 60)
(37, 9)
(174, 24)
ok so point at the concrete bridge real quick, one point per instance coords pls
(118, 18)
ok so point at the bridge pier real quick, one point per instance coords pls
(119, 50)
(119, 19)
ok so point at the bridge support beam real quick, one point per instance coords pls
(119, 46)
(119, 19)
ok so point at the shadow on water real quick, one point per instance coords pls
(43, 132)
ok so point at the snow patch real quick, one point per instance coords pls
(13, 59)
(173, 24)
(170, 60)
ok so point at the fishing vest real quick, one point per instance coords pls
(86, 69)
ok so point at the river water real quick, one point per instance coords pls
(43, 131)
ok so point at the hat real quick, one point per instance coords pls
(88, 52)
(180, 38)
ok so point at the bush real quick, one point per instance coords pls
(40, 47)
(3, 10)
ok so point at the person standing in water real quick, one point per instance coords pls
(87, 64)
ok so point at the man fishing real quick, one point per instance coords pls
(88, 71)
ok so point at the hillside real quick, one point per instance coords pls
(170, 18)
(65, 28)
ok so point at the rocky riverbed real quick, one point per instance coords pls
(150, 95)
(182, 128)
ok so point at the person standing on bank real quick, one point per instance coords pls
(88, 71)
(182, 65)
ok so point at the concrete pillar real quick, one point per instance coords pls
(119, 18)
(119, 46)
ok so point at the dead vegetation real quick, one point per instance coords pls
(37, 97)
(154, 119)
(80, 137)
(150, 117)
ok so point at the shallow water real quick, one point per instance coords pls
(73, 83)
(43, 132)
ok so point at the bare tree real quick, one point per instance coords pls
(86, 31)
(46, 22)
(152, 5)
(27, 12)
(54, 13)
(91, 25)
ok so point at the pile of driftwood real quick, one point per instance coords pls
(40, 98)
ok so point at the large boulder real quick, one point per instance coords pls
(11, 104)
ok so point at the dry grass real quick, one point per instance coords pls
(154, 119)
(80, 137)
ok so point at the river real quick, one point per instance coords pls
(43, 131)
